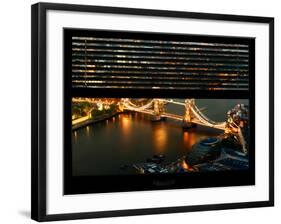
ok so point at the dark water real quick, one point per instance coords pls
(103, 148)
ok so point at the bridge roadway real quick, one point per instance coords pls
(175, 117)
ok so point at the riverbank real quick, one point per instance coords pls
(93, 120)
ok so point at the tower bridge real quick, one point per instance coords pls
(191, 117)
(156, 107)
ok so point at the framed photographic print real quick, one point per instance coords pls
(164, 111)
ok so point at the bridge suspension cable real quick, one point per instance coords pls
(201, 117)
(131, 106)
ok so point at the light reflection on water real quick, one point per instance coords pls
(160, 138)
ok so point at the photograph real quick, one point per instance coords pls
(155, 136)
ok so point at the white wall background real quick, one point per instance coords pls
(15, 109)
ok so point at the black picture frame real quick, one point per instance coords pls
(39, 110)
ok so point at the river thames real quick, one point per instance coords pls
(105, 147)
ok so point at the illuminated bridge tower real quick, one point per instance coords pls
(121, 106)
(188, 115)
(158, 110)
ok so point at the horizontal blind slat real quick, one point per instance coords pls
(143, 63)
